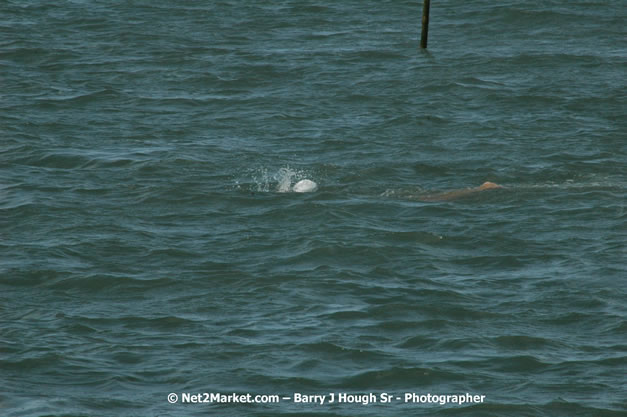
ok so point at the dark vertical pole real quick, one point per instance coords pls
(425, 24)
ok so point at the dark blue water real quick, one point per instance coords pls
(150, 242)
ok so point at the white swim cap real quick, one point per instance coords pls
(305, 186)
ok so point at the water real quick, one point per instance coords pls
(150, 244)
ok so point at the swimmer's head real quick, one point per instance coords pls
(305, 186)
(487, 185)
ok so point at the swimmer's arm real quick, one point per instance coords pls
(452, 195)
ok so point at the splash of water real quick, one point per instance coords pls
(281, 181)
(284, 179)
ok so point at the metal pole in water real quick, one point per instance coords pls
(425, 24)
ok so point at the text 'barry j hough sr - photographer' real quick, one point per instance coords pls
(330, 398)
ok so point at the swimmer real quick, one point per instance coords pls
(455, 194)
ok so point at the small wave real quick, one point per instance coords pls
(58, 159)
(399, 377)
(81, 98)
(574, 184)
